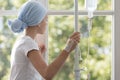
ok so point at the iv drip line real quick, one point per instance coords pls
(91, 6)
(89, 25)
(88, 49)
(88, 53)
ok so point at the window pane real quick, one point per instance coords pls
(7, 38)
(60, 28)
(56, 4)
(11, 4)
(102, 5)
(61, 4)
(99, 60)
(69, 5)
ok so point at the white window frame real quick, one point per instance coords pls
(116, 41)
(115, 30)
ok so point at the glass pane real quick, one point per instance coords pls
(56, 4)
(60, 28)
(102, 5)
(11, 4)
(69, 5)
(98, 63)
(61, 4)
(98, 60)
(7, 38)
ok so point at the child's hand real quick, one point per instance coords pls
(72, 42)
(40, 39)
(42, 48)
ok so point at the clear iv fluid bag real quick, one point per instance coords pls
(91, 6)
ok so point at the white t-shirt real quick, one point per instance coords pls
(21, 67)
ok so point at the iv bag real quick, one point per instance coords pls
(91, 6)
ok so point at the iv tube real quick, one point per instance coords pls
(91, 6)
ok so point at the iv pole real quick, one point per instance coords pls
(76, 56)
(91, 5)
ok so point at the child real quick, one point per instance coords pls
(26, 60)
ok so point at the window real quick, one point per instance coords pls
(104, 39)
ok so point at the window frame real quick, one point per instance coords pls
(115, 13)
(116, 41)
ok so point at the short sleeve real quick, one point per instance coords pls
(29, 45)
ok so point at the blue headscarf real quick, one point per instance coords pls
(31, 14)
